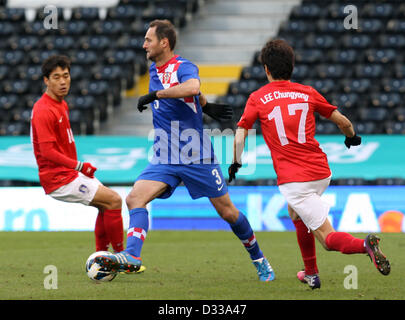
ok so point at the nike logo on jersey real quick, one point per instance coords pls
(220, 188)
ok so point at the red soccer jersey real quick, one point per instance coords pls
(286, 113)
(50, 123)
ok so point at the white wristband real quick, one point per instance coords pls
(79, 166)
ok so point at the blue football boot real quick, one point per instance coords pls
(264, 270)
(122, 262)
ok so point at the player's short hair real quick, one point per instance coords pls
(278, 56)
(165, 29)
(52, 62)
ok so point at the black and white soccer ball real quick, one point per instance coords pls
(97, 272)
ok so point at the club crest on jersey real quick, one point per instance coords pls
(166, 77)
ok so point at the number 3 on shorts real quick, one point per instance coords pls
(216, 174)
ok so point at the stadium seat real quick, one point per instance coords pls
(297, 26)
(373, 114)
(330, 26)
(326, 127)
(370, 26)
(4, 72)
(390, 182)
(126, 12)
(255, 72)
(377, 10)
(324, 86)
(393, 85)
(234, 100)
(306, 11)
(396, 26)
(394, 127)
(367, 127)
(132, 42)
(73, 27)
(245, 87)
(29, 72)
(11, 57)
(85, 14)
(347, 100)
(386, 100)
(356, 41)
(382, 56)
(308, 56)
(302, 72)
(58, 42)
(355, 85)
(320, 41)
(16, 86)
(12, 14)
(95, 42)
(399, 113)
(368, 70)
(344, 56)
(108, 27)
(331, 71)
(394, 41)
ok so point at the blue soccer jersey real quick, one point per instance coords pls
(179, 135)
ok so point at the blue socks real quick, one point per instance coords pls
(137, 230)
(244, 232)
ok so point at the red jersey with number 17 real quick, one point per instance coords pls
(286, 113)
(50, 123)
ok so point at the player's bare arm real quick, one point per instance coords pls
(346, 127)
(238, 146)
(343, 123)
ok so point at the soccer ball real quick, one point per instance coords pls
(95, 271)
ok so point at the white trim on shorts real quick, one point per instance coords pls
(81, 190)
(305, 199)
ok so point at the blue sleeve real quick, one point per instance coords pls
(187, 71)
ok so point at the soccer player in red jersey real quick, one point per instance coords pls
(286, 112)
(61, 175)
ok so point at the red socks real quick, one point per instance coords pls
(306, 242)
(102, 240)
(109, 228)
(345, 243)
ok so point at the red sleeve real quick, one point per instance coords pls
(323, 107)
(44, 122)
(250, 114)
(49, 152)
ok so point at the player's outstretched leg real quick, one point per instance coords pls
(377, 257)
(129, 261)
(242, 229)
(120, 262)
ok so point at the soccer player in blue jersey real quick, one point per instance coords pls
(182, 152)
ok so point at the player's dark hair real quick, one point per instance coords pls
(165, 29)
(278, 56)
(52, 62)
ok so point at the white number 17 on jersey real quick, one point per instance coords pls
(278, 119)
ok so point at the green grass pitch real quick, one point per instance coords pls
(191, 265)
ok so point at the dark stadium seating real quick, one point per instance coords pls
(361, 70)
(106, 55)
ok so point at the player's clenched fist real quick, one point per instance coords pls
(352, 141)
(86, 168)
(233, 168)
(146, 99)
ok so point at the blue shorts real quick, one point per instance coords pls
(201, 180)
